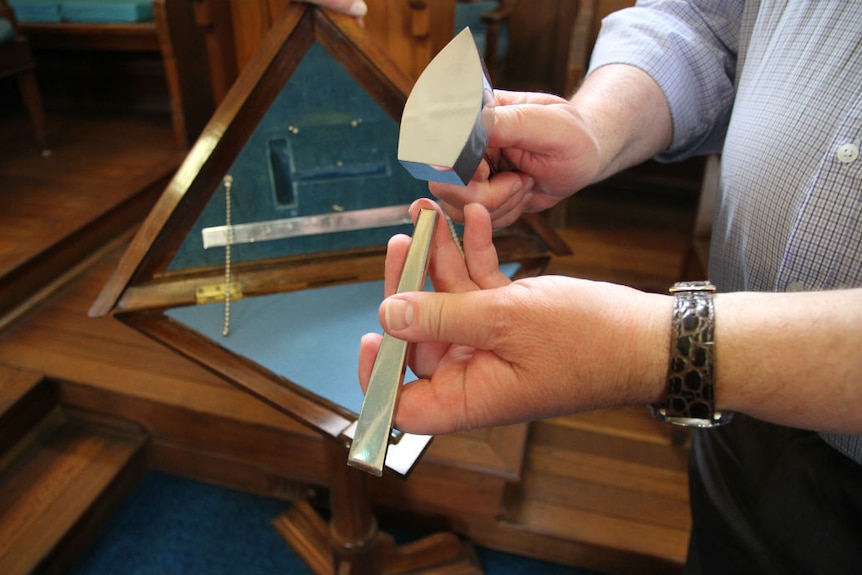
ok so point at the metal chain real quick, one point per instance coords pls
(228, 183)
(454, 233)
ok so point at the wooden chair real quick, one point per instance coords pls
(490, 21)
(16, 59)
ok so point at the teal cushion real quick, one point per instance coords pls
(36, 10)
(107, 11)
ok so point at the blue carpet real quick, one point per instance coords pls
(176, 526)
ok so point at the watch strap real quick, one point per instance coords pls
(690, 399)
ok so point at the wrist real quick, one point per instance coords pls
(647, 373)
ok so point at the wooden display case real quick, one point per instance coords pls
(306, 137)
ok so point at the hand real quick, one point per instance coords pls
(544, 151)
(356, 8)
(489, 351)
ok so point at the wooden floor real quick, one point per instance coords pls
(603, 490)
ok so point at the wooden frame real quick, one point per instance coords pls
(171, 34)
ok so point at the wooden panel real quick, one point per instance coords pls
(251, 20)
(540, 33)
(411, 31)
(71, 36)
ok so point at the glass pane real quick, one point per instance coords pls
(324, 147)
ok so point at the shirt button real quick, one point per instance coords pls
(847, 153)
(796, 286)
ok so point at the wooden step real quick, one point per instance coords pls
(23, 403)
(60, 478)
(613, 479)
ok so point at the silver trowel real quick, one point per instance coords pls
(449, 115)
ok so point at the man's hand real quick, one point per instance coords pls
(490, 351)
(356, 8)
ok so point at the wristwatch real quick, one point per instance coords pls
(690, 400)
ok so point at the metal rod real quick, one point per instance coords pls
(305, 225)
(373, 428)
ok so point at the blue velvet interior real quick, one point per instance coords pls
(83, 11)
(36, 10)
(323, 146)
(107, 11)
(310, 336)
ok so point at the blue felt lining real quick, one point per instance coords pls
(311, 336)
(324, 146)
(36, 10)
(107, 11)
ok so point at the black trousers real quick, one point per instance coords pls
(769, 499)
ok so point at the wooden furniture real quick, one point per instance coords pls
(172, 34)
(16, 59)
(493, 17)
(410, 31)
(581, 490)
(539, 45)
(154, 293)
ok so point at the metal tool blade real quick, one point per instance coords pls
(217, 236)
(448, 117)
(373, 428)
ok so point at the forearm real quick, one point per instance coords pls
(793, 359)
(628, 114)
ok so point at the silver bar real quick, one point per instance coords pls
(306, 225)
(371, 439)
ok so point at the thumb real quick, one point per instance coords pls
(461, 318)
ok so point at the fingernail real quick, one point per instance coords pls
(397, 313)
(358, 9)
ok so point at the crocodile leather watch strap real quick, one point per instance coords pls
(690, 397)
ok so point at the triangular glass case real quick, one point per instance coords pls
(263, 258)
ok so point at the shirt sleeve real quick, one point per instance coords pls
(689, 49)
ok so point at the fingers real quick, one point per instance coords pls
(480, 255)
(462, 318)
(356, 8)
(369, 344)
(450, 269)
(508, 98)
(504, 196)
(446, 267)
(396, 254)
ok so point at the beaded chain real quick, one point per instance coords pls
(228, 183)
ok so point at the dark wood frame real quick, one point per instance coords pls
(172, 34)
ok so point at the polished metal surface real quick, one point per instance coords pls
(373, 428)
(449, 115)
(217, 236)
